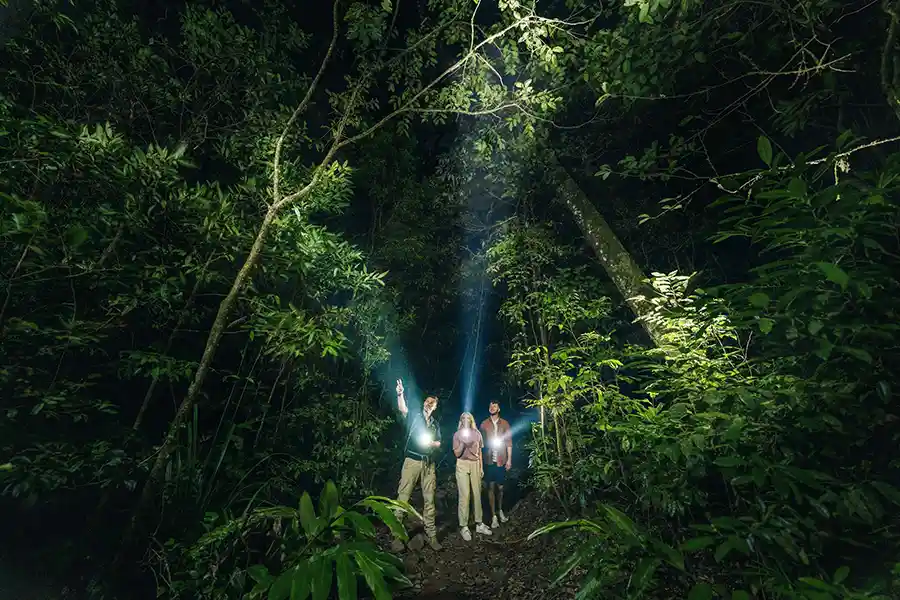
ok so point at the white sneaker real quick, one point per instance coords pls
(503, 518)
(494, 522)
(466, 534)
(482, 529)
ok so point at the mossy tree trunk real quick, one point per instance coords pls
(622, 269)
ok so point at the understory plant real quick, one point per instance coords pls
(753, 454)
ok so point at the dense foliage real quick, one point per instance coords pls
(225, 227)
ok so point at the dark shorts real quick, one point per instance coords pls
(495, 474)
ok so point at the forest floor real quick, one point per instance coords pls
(503, 566)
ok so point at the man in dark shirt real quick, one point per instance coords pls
(423, 439)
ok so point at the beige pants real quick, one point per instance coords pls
(413, 472)
(468, 477)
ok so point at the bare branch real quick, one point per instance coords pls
(276, 174)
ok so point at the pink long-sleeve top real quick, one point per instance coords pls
(467, 443)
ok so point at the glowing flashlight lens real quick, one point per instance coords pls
(465, 434)
(425, 439)
(496, 443)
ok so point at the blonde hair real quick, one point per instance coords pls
(463, 419)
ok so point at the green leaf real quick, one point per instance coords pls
(672, 555)
(840, 575)
(700, 57)
(259, 573)
(698, 543)
(620, 520)
(759, 300)
(328, 501)
(764, 148)
(765, 325)
(858, 353)
(307, 514)
(884, 390)
(356, 521)
(740, 595)
(815, 326)
(576, 523)
(797, 187)
(320, 582)
(701, 591)
(388, 517)
(643, 572)
(729, 461)
(281, 589)
(374, 578)
(346, 578)
(834, 273)
(300, 583)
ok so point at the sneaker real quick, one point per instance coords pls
(503, 518)
(435, 545)
(482, 529)
(397, 546)
(494, 522)
(466, 534)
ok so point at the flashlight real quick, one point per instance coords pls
(496, 443)
(465, 434)
(425, 439)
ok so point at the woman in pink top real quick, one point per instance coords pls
(467, 444)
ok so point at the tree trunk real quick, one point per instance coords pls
(614, 258)
(212, 345)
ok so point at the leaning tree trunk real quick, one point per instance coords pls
(613, 257)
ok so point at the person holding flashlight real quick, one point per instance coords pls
(498, 460)
(467, 445)
(422, 442)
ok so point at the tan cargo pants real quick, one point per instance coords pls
(415, 471)
(468, 477)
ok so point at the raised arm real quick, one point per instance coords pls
(401, 399)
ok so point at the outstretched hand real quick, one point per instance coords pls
(399, 387)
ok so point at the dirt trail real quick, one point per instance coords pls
(501, 567)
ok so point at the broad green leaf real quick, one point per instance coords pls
(259, 573)
(643, 572)
(577, 523)
(388, 517)
(698, 543)
(857, 353)
(730, 461)
(328, 501)
(840, 575)
(281, 588)
(346, 578)
(759, 300)
(300, 583)
(884, 390)
(374, 578)
(815, 326)
(765, 325)
(321, 578)
(620, 520)
(360, 523)
(701, 591)
(673, 556)
(834, 273)
(797, 187)
(764, 148)
(307, 514)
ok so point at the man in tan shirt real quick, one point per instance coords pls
(498, 460)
